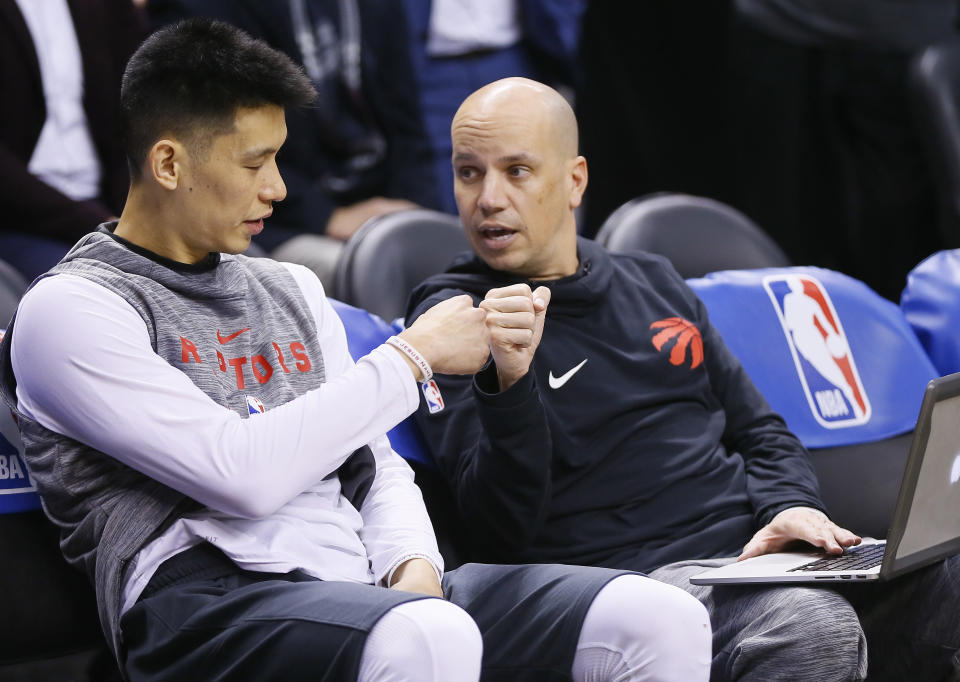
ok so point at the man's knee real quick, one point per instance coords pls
(796, 633)
(637, 624)
(422, 641)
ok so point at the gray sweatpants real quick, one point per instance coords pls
(910, 625)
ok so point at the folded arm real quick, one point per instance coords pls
(85, 369)
(492, 442)
(396, 530)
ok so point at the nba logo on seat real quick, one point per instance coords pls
(820, 350)
(431, 392)
(17, 491)
(14, 477)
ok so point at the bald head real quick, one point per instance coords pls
(524, 99)
(517, 177)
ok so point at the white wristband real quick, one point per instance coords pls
(414, 356)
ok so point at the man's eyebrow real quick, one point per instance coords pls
(520, 157)
(523, 157)
(257, 153)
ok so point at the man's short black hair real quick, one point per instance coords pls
(187, 80)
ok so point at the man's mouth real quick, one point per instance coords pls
(256, 226)
(496, 235)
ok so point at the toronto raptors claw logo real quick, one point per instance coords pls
(686, 336)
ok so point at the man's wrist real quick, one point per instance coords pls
(411, 364)
(487, 387)
(418, 364)
(507, 379)
(411, 560)
(799, 507)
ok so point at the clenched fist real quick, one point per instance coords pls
(452, 336)
(515, 317)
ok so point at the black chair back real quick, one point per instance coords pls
(935, 94)
(391, 254)
(698, 235)
(12, 286)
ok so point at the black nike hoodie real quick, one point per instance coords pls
(636, 440)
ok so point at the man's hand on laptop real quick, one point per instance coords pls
(799, 523)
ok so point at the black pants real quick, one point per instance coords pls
(202, 618)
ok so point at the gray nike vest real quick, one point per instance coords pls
(238, 327)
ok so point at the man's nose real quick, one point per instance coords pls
(274, 189)
(492, 197)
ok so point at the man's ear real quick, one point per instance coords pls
(164, 163)
(578, 180)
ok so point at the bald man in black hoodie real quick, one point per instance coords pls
(613, 427)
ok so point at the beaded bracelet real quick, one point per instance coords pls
(414, 356)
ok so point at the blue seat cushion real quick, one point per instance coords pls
(931, 304)
(366, 331)
(835, 359)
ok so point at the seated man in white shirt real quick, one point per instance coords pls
(216, 461)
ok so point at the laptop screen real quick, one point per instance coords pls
(934, 516)
(928, 511)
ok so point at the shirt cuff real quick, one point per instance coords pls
(407, 557)
(486, 387)
(768, 515)
(401, 369)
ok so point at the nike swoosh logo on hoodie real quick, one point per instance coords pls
(557, 382)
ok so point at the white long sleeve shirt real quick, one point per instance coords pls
(269, 485)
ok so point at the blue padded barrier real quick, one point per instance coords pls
(17, 492)
(835, 359)
(931, 304)
(366, 331)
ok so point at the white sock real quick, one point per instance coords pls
(639, 629)
(429, 640)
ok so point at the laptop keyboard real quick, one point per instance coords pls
(853, 559)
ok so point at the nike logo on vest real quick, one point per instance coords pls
(231, 337)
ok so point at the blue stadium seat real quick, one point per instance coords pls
(366, 331)
(843, 368)
(931, 304)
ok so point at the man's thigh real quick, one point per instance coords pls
(776, 632)
(912, 623)
(234, 628)
(530, 616)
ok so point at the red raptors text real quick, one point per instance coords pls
(260, 366)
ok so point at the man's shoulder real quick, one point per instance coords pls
(465, 276)
(645, 261)
(646, 272)
(424, 298)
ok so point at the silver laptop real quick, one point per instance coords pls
(926, 523)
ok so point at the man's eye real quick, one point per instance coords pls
(466, 173)
(518, 171)
(255, 168)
